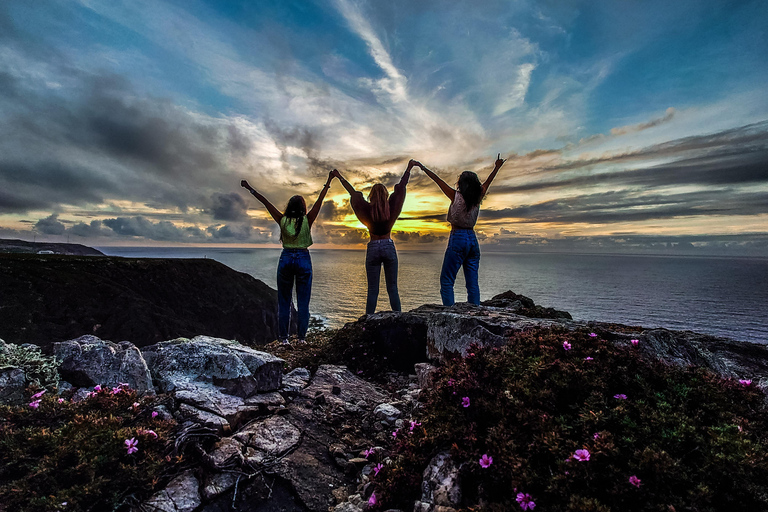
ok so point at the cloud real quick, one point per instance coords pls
(231, 207)
(623, 130)
(417, 237)
(50, 225)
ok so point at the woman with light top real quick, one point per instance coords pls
(379, 214)
(463, 249)
(295, 265)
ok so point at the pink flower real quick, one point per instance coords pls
(566, 345)
(116, 390)
(450, 382)
(486, 461)
(620, 396)
(740, 428)
(135, 404)
(372, 499)
(415, 424)
(592, 335)
(97, 388)
(368, 452)
(634, 342)
(359, 372)
(148, 432)
(525, 501)
(378, 467)
(587, 358)
(131, 444)
(35, 404)
(394, 434)
(743, 382)
(61, 400)
(634, 481)
(465, 401)
(38, 394)
(581, 455)
(596, 436)
(154, 414)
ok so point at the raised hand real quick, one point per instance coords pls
(335, 174)
(245, 184)
(499, 162)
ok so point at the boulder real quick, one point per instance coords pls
(13, 383)
(181, 495)
(227, 365)
(387, 413)
(295, 381)
(89, 360)
(265, 440)
(219, 424)
(441, 485)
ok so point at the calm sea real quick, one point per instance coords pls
(719, 296)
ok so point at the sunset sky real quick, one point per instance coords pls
(626, 124)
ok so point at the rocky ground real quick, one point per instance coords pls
(310, 438)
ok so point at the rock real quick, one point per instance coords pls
(424, 374)
(89, 360)
(265, 440)
(13, 383)
(387, 413)
(346, 507)
(351, 389)
(295, 381)
(226, 452)
(181, 495)
(226, 365)
(204, 418)
(441, 484)
(273, 399)
(217, 484)
(209, 398)
(522, 305)
(143, 300)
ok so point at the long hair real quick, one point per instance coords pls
(295, 210)
(379, 203)
(470, 188)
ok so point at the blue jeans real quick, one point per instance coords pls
(294, 264)
(378, 253)
(463, 250)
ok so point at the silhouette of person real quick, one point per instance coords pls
(463, 249)
(295, 265)
(379, 214)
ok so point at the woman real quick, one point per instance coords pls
(295, 264)
(379, 214)
(463, 249)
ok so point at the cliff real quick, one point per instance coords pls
(52, 298)
(22, 247)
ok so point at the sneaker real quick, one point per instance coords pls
(302, 340)
(285, 341)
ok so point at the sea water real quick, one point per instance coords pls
(719, 296)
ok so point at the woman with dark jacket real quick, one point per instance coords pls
(295, 265)
(463, 249)
(379, 214)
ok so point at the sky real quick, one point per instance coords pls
(628, 126)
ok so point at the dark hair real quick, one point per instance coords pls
(295, 210)
(379, 204)
(470, 188)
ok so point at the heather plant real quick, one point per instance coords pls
(104, 453)
(567, 421)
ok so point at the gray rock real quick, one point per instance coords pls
(88, 361)
(227, 451)
(217, 484)
(233, 368)
(13, 382)
(208, 398)
(187, 412)
(273, 399)
(265, 440)
(424, 374)
(387, 413)
(181, 495)
(346, 507)
(352, 389)
(296, 380)
(441, 484)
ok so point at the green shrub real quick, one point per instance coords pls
(76, 453)
(695, 442)
(41, 371)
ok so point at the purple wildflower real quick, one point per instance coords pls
(35, 404)
(61, 400)
(97, 388)
(581, 455)
(592, 335)
(368, 452)
(566, 345)
(38, 395)
(486, 461)
(394, 434)
(634, 342)
(634, 481)
(378, 467)
(131, 444)
(596, 436)
(743, 382)
(620, 396)
(587, 358)
(415, 424)
(154, 414)
(465, 401)
(372, 499)
(525, 501)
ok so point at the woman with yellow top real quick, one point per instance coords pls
(295, 264)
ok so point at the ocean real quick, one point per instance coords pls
(711, 295)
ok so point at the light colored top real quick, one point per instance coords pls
(458, 215)
(291, 239)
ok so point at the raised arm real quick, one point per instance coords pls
(347, 185)
(447, 190)
(407, 174)
(312, 215)
(276, 214)
(499, 162)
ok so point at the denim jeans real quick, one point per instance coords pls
(294, 265)
(463, 250)
(378, 253)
